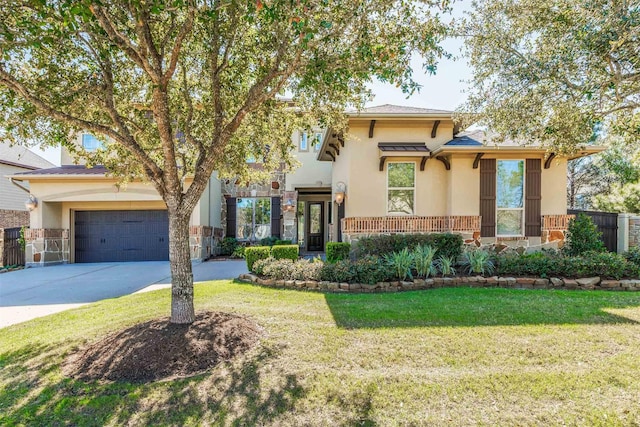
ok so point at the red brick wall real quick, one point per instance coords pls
(11, 219)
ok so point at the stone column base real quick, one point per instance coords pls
(46, 246)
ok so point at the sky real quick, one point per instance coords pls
(444, 90)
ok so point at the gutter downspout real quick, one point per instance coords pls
(19, 186)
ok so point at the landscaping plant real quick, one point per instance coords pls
(254, 253)
(400, 263)
(228, 245)
(478, 262)
(423, 258)
(337, 251)
(291, 252)
(445, 265)
(447, 244)
(583, 236)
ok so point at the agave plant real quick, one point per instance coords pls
(401, 263)
(445, 265)
(478, 262)
(423, 258)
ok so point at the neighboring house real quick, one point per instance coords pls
(16, 159)
(396, 170)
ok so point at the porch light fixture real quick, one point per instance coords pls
(31, 203)
(341, 189)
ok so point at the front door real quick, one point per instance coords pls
(315, 226)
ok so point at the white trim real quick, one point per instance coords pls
(414, 188)
(524, 198)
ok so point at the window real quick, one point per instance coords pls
(253, 218)
(317, 142)
(510, 198)
(91, 143)
(304, 142)
(401, 179)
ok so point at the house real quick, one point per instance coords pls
(395, 170)
(15, 159)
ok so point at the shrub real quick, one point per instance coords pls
(423, 259)
(283, 242)
(368, 269)
(259, 265)
(238, 252)
(478, 262)
(583, 236)
(269, 241)
(285, 252)
(286, 269)
(633, 255)
(603, 264)
(337, 251)
(228, 245)
(445, 265)
(254, 253)
(447, 244)
(400, 263)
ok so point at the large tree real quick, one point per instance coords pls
(555, 71)
(178, 89)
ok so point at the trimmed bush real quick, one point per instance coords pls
(542, 264)
(285, 252)
(228, 245)
(283, 242)
(583, 236)
(286, 269)
(368, 269)
(269, 241)
(337, 251)
(633, 256)
(254, 253)
(446, 244)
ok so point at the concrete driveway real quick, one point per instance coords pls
(36, 292)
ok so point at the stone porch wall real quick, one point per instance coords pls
(634, 231)
(204, 242)
(46, 246)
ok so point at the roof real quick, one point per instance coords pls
(403, 146)
(21, 156)
(66, 170)
(399, 110)
(468, 139)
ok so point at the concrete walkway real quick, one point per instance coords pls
(36, 292)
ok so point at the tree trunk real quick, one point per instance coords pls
(182, 310)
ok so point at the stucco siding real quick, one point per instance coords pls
(554, 188)
(310, 172)
(11, 197)
(464, 186)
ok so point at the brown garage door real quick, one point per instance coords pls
(115, 236)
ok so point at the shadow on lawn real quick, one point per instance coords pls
(236, 395)
(478, 307)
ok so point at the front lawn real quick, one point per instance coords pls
(445, 356)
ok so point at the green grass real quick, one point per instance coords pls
(445, 357)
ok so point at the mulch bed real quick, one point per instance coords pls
(157, 349)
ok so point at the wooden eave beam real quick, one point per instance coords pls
(434, 129)
(382, 160)
(372, 126)
(330, 154)
(547, 163)
(476, 161)
(423, 162)
(445, 162)
(341, 141)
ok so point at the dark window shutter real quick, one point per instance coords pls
(340, 218)
(231, 217)
(276, 214)
(488, 197)
(533, 198)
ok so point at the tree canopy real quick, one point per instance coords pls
(554, 72)
(177, 89)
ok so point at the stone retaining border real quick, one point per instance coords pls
(588, 283)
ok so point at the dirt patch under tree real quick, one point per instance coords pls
(158, 349)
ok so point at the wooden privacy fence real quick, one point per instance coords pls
(607, 223)
(11, 251)
(411, 224)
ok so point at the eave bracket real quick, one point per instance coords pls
(423, 162)
(547, 163)
(476, 161)
(445, 162)
(434, 129)
(372, 126)
(382, 160)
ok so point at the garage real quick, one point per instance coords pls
(117, 236)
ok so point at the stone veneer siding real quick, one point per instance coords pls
(46, 246)
(634, 231)
(204, 242)
(13, 219)
(588, 283)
